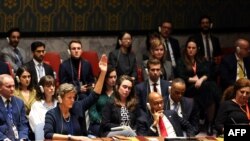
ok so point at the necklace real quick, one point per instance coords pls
(67, 119)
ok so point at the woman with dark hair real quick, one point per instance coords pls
(236, 110)
(46, 100)
(95, 112)
(122, 111)
(194, 70)
(122, 58)
(24, 88)
(157, 51)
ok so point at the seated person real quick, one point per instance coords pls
(122, 111)
(46, 100)
(65, 121)
(185, 107)
(161, 123)
(235, 111)
(95, 112)
(13, 122)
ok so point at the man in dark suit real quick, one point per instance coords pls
(37, 67)
(171, 44)
(4, 68)
(13, 122)
(153, 83)
(76, 70)
(235, 65)
(12, 53)
(211, 49)
(158, 122)
(185, 107)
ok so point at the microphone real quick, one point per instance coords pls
(233, 120)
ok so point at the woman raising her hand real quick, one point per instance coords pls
(66, 121)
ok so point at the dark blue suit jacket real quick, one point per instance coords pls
(4, 68)
(54, 119)
(143, 89)
(179, 124)
(31, 65)
(19, 119)
(190, 112)
(68, 74)
(228, 70)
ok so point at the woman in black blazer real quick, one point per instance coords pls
(122, 111)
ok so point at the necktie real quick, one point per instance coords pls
(167, 49)
(241, 69)
(175, 106)
(208, 48)
(162, 127)
(40, 70)
(9, 110)
(154, 86)
(19, 59)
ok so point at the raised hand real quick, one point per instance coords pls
(103, 63)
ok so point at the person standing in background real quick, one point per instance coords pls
(12, 53)
(36, 66)
(122, 58)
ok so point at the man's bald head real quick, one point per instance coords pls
(156, 101)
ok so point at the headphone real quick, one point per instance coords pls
(238, 49)
(159, 28)
(41, 88)
(68, 50)
(17, 79)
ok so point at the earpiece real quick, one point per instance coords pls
(211, 25)
(54, 73)
(17, 79)
(69, 52)
(41, 88)
(238, 49)
(159, 28)
(120, 42)
(8, 39)
(59, 99)
(148, 106)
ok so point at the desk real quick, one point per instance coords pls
(140, 138)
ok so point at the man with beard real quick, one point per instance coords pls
(13, 54)
(37, 67)
(209, 45)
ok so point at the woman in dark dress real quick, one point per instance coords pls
(122, 111)
(107, 95)
(235, 110)
(122, 58)
(195, 72)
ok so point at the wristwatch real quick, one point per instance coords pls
(69, 137)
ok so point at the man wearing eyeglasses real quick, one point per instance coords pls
(37, 67)
(13, 122)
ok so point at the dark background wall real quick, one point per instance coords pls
(107, 16)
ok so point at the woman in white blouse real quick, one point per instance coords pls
(46, 100)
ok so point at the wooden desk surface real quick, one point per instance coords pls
(140, 138)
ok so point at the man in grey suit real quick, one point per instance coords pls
(12, 53)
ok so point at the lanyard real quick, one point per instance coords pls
(246, 111)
